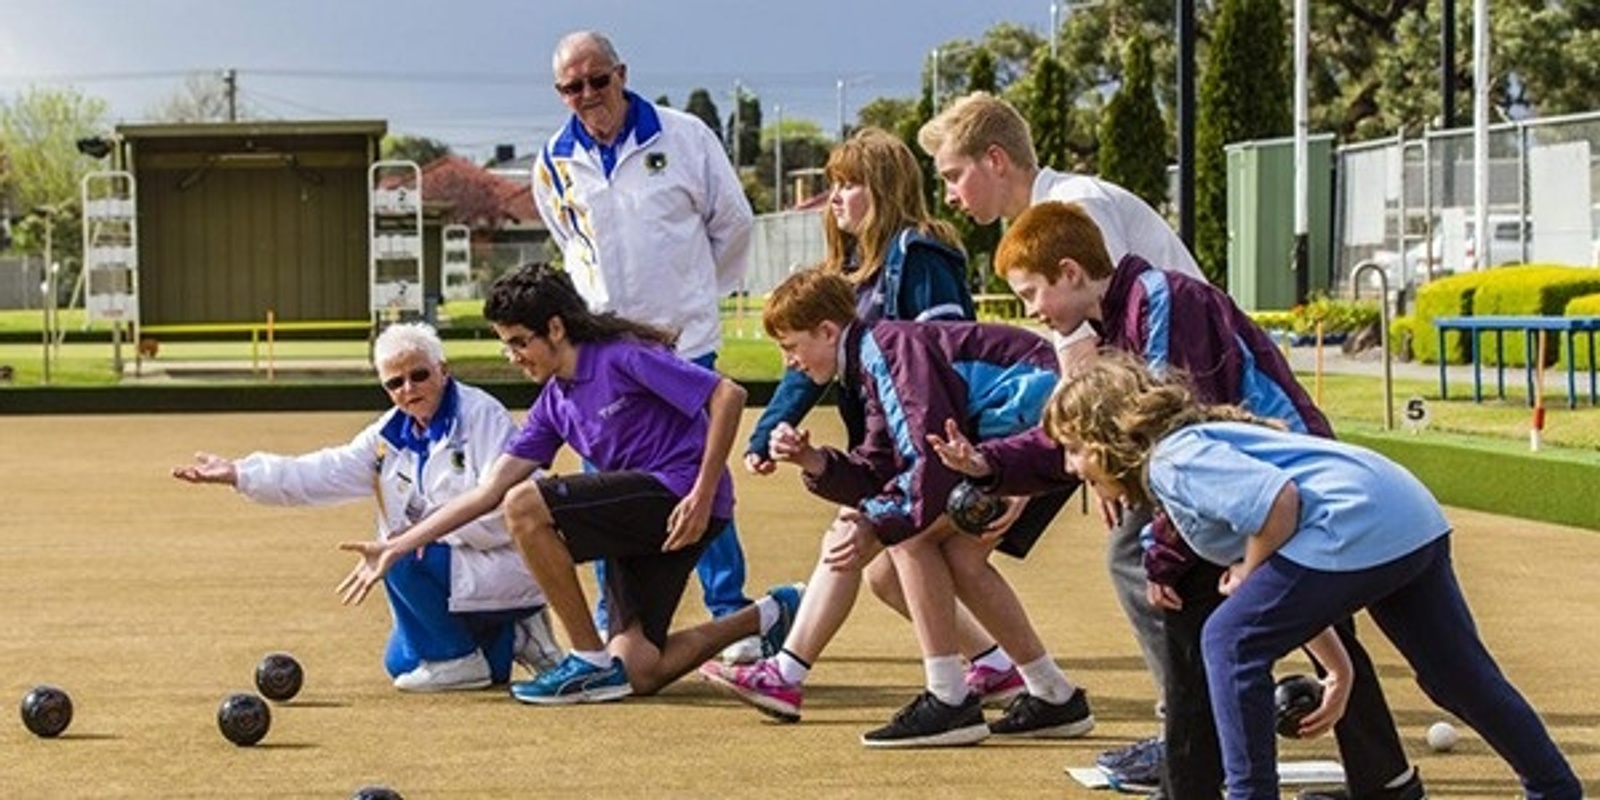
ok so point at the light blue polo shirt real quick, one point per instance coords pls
(630, 406)
(1358, 509)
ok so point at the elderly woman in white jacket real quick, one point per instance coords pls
(467, 605)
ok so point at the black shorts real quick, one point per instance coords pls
(621, 517)
(1037, 515)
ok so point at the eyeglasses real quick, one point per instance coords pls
(416, 376)
(596, 83)
(510, 346)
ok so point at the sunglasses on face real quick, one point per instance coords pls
(414, 377)
(596, 83)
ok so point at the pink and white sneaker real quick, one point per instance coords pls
(758, 685)
(995, 687)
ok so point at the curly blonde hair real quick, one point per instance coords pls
(1114, 412)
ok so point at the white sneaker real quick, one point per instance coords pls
(535, 645)
(470, 671)
(744, 651)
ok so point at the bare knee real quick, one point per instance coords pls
(527, 516)
(884, 579)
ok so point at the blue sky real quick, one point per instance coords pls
(475, 73)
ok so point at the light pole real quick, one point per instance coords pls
(843, 84)
(777, 158)
(47, 287)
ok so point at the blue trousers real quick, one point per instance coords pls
(720, 569)
(1417, 603)
(426, 630)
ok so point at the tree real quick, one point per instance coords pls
(805, 146)
(701, 105)
(39, 132)
(1045, 99)
(979, 240)
(747, 131)
(204, 97)
(1244, 95)
(419, 149)
(1133, 137)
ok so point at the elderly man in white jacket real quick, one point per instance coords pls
(467, 606)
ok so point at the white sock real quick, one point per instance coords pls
(995, 658)
(767, 607)
(596, 658)
(1046, 681)
(946, 679)
(791, 668)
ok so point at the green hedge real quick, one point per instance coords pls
(1531, 290)
(1586, 306)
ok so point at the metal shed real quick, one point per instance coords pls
(241, 218)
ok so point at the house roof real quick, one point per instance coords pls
(467, 193)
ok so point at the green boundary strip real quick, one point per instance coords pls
(1499, 477)
(1550, 486)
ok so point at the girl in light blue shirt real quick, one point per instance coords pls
(1310, 532)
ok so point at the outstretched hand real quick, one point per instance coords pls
(208, 468)
(957, 451)
(376, 558)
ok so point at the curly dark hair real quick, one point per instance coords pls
(538, 291)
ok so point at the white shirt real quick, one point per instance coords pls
(1126, 221)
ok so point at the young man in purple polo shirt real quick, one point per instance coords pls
(658, 431)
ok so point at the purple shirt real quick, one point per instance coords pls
(632, 406)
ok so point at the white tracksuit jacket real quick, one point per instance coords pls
(486, 571)
(664, 236)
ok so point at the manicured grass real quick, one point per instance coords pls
(1352, 401)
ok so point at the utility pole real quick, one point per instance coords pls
(736, 134)
(777, 159)
(230, 88)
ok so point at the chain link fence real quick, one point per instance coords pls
(1409, 206)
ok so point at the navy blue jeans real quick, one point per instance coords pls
(1417, 603)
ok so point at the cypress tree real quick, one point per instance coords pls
(1133, 136)
(1244, 95)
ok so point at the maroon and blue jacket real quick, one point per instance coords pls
(1173, 321)
(993, 380)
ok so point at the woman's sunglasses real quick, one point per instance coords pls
(416, 376)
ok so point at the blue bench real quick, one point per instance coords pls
(1529, 326)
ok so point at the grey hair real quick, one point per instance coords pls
(578, 41)
(403, 338)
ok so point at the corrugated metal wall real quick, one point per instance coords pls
(230, 229)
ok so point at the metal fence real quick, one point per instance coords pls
(1408, 204)
(780, 244)
(20, 280)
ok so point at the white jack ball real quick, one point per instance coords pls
(1442, 737)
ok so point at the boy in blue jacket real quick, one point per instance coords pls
(912, 377)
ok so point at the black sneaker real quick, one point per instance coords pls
(1030, 716)
(1410, 790)
(928, 722)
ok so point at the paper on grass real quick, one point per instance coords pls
(1290, 773)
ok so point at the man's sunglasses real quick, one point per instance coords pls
(416, 376)
(596, 83)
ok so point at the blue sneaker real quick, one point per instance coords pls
(575, 681)
(788, 597)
